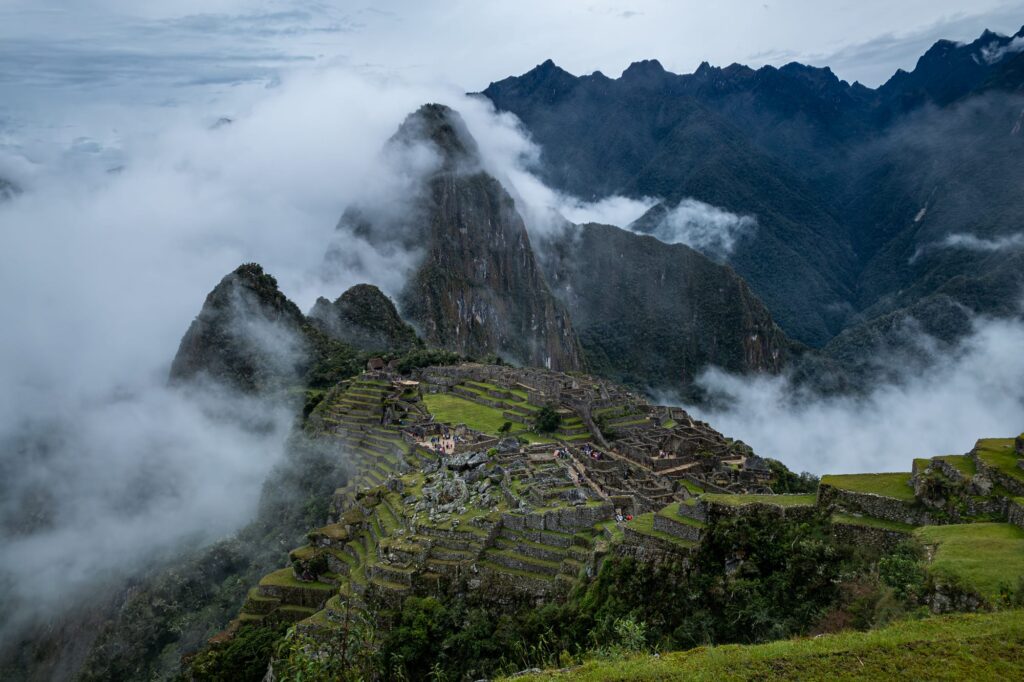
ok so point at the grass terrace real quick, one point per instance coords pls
(452, 409)
(871, 522)
(965, 464)
(644, 523)
(778, 500)
(983, 555)
(984, 646)
(896, 486)
(999, 454)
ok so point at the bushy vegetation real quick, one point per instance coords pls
(976, 647)
(546, 420)
(244, 657)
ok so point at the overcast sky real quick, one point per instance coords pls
(161, 51)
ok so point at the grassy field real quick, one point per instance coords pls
(987, 646)
(452, 409)
(963, 463)
(780, 500)
(999, 454)
(983, 555)
(889, 485)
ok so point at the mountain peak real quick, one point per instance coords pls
(646, 71)
(443, 128)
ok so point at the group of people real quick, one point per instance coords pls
(445, 443)
(591, 452)
(620, 518)
(665, 455)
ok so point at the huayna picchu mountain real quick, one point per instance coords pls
(364, 318)
(867, 202)
(477, 289)
(631, 308)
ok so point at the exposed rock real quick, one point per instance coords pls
(477, 289)
(365, 318)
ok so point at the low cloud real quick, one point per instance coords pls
(995, 53)
(709, 229)
(970, 242)
(103, 467)
(975, 392)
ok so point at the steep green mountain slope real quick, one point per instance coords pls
(364, 318)
(652, 314)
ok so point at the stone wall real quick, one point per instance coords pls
(1015, 512)
(649, 549)
(568, 520)
(869, 536)
(718, 510)
(877, 506)
(682, 531)
(1009, 482)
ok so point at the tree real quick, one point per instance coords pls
(547, 420)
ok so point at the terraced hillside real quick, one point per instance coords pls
(452, 487)
(454, 492)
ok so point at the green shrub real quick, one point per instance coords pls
(547, 420)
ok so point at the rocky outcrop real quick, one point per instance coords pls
(477, 289)
(655, 314)
(365, 318)
(248, 335)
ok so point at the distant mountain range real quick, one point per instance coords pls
(870, 211)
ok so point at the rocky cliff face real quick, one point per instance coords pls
(654, 314)
(477, 289)
(364, 318)
(247, 335)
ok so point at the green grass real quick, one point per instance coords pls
(691, 486)
(963, 463)
(672, 512)
(644, 523)
(872, 522)
(983, 555)
(896, 485)
(285, 578)
(452, 409)
(778, 500)
(999, 454)
(987, 646)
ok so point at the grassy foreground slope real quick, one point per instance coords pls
(987, 646)
(984, 556)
